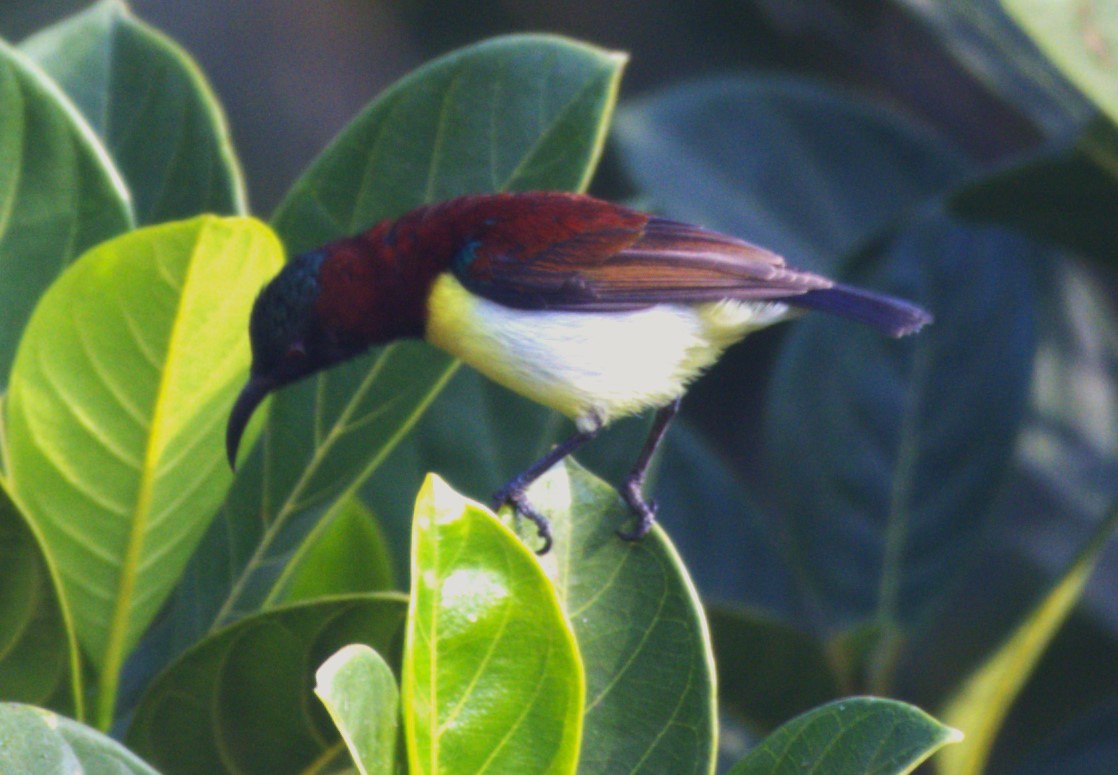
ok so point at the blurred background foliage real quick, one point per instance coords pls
(719, 123)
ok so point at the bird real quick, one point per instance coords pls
(593, 309)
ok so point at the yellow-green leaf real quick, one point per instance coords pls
(980, 705)
(119, 392)
(1080, 37)
(492, 677)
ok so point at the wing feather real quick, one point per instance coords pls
(632, 266)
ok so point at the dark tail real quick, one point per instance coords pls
(891, 316)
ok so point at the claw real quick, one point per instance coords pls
(521, 507)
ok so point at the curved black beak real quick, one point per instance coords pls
(253, 393)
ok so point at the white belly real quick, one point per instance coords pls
(580, 363)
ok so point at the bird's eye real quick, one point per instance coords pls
(296, 352)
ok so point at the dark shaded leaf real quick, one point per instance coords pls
(980, 704)
(152, 108)
(59, 193)
(35, 644)
(770, 160)
(887, 465)
(345, 554)
(241, 700)
(1067, 194)
(768, 671)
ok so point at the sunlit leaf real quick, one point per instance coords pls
(37, 742)
(118, 394)
(359, 691)
(492, 678)
(1080, 38)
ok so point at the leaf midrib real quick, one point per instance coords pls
(156, 441)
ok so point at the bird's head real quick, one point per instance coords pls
(288, 342)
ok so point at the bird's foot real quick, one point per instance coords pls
(644, 511)
(522, 507)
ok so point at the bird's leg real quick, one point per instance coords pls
(514, 490)
(645, 511)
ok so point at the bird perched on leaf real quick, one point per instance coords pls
(589, 308)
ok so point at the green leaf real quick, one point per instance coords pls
(852, 736)
(525, 111)
(492, 679)
(650, 686)
(38, 659)
(985, 42)
(769, 671)
(979, 706)
(1067, 194)
(771, 159)
(359, 691)
(59, 193)
(1080, 39)
(888, 468)
(518, 113)
(118, 392)
(344, 554)
(240, 701)
(151, 106)
(37, 742)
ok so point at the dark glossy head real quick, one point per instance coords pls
(287, 341)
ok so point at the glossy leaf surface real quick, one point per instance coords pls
(650, 685)
(359, 691)
(118, 396)
(152, 108)
(492, 677)
(241, 700)
(59, 193)
(853, 736)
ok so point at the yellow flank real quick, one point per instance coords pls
(609, 364)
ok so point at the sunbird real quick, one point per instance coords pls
(590, 308)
